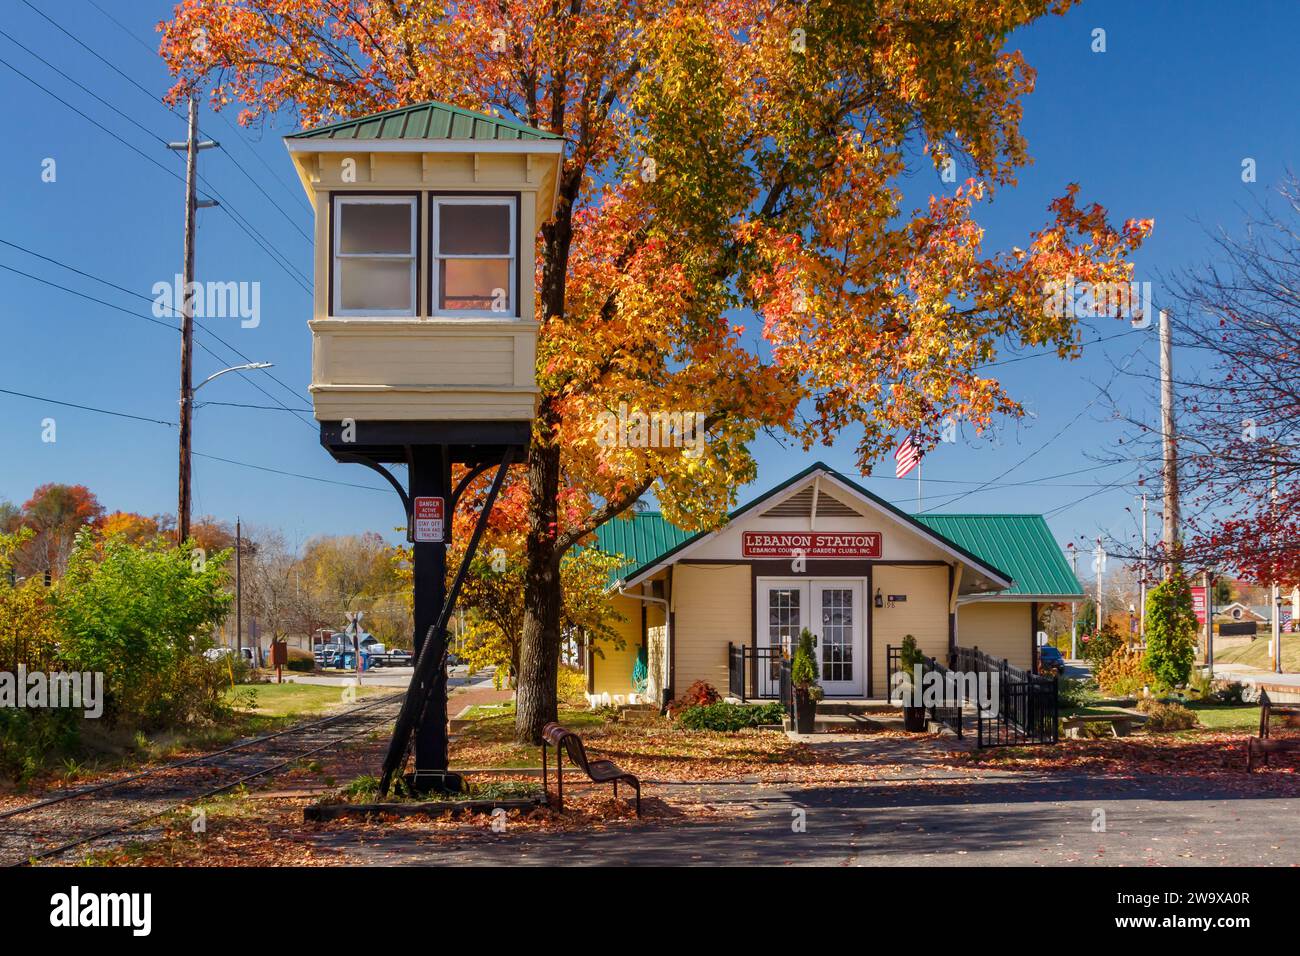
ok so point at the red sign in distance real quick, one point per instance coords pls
(811, 544)
(1198, 604)
(430, 520)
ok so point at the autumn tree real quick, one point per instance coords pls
(731, 237)
(493, 594)
(55, 514)
(133, 527)
(348, 573)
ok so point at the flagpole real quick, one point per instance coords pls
(918, 487)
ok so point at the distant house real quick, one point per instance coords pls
(1237, 619)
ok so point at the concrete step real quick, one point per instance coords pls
(844, 708)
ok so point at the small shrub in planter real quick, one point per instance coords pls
(909, 656)
(803, 677)
(730, 717)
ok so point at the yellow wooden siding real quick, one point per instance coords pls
(713, 604)
(612, 666)
(1001, 629)
(924, 615)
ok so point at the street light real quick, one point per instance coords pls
(187, 403)
(233, 368)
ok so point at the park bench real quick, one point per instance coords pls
(599, 771)
(1121, 725)
(1263, 744)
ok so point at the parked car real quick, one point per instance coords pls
(1050, 659)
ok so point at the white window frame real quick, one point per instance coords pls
(436, 201)
(336, 302)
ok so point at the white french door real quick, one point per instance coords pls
(829, 607)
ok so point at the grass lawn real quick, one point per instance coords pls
(293, 700)
(1220, 717)
(1255, 654)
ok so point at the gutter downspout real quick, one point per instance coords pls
(621, 589)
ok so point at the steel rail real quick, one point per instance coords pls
(190, 761)
(131, 824)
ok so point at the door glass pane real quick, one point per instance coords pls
(837, 634)
(383, 228)
(473, 284)
(382, 285)
(784, 617)
(473, 230)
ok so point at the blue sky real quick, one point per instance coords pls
(1156, 126)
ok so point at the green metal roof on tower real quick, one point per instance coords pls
(429, 120)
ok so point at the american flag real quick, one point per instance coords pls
(907, 457)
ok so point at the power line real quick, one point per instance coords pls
(158, 421)
(1041, 448)
(88, 408)
(94, 122)
(239, 219)
(132, 292)
(77, 40)
(254, 153)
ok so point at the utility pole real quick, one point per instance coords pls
(192, 204)
(1142, 581)
(1169, 533)
(1098, 563)
(1074, 620)
(1207, 582)
(239, 589)
(1275, 592)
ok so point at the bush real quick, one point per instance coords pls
(730, 717)
(571, 686)
(1074, 692)
(1100, 647)
(29, 737)
(1123, 673)
(1162, 716)
(699, 694)
(1171, 631)
(300, 661)
(131, 612)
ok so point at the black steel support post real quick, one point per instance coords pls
(430, 476)
(424, 711)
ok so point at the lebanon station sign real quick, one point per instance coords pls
(811, 544)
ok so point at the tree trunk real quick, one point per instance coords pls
(539, 652)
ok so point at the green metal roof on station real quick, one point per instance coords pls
(640, 539)
(1021, 545)
(426, 121)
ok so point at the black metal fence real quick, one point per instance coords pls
(759, 673)
(1024, 708)
(944, 694)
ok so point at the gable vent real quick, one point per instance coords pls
(800, 506)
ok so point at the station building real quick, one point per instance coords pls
(822, 552)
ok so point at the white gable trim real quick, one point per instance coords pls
(846, 492)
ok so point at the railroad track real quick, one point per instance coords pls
(49, 827)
